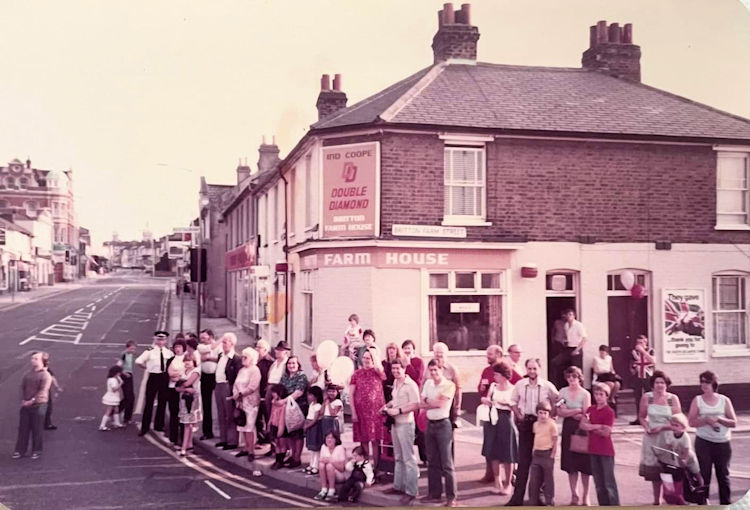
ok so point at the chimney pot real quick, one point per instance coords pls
(627, 35)
(440, 18)
(325, 82)
(601, 32)
(460, 18)
(449, 17)
(614, 33)
(592, 36)
(337, 82)
(466, 11)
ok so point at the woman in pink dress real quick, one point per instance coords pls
(366, 393)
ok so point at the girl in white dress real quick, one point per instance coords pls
(190, 401)
(112, 398)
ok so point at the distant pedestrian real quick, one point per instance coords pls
(48, 425)
(112, 398)
(190, 401)
(713, 416)
(541, 475)
(642, 367)
(227, 368)
(657, 408)
(574, 401)
(527, 394)
(154, 360)
(598, 421)
(437, 395)
(571, 354)
(209, 350)
(35, 387)
(127, 358)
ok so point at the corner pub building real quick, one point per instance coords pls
(472, 202)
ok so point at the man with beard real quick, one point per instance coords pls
(527, 394)
(494, 355)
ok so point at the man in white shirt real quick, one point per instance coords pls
(437, 397)
(404, 401)
(154, 360)
(572, 352)
(227, 367)
(527, 393)
(275, 372)
(209, 350)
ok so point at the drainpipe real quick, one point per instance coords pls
(286, 259)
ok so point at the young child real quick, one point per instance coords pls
(276, 423)
(352, 337)
(332, 407)
(111, 398)
(368, 337)
(313, 435)
(359, 475)
(543, 456)
(680, 443)
(319, 376)
(598, 420)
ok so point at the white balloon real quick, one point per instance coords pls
(341, 370)
(628, 279)
(326, 353)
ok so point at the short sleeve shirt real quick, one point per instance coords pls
(574, 332)
(601, 445)
(446, 389)
(545, 434)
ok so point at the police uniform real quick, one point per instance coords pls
(154, 359)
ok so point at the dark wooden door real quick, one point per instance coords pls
(628, 318)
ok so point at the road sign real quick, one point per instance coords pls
(186, 230)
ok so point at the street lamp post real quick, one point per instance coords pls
(203, 203)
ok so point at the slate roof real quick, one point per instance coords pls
(9, 225)
(505, 97)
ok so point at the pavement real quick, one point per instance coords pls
(469, 463)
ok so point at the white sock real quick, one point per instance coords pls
(314, 457)
(105, 419)
(116, 419)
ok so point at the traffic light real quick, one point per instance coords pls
(194, 264)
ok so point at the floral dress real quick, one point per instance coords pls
(248, 383)
(190, 403)
(368, 399)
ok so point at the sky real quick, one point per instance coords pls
(141, 98)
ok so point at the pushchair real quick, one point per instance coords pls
(679, 485)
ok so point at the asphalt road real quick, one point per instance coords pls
(84, 330)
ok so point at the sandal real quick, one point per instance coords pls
(321, 495)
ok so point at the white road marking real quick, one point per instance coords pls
(24, 342)
(78, 338)
(266, 494)
(219, 491)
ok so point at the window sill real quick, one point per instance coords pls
(467, 222)
(730, 353)
(260, 323)
(307, 346)
(732, 227)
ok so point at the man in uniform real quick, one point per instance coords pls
(154, 360)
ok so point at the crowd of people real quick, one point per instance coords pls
(263, 397)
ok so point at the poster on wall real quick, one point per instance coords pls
(684, 326)
(350, 190)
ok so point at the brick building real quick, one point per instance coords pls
(213, 199)
(472, 202)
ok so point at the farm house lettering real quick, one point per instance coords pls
(388, 258)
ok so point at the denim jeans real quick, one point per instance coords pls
(439, 443)
(603, 471)
(406, 472)
(716, 455)
(31, 423)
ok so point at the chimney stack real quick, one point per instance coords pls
(268, 155)
(330, 101)
(611, 50)
(243, 172)
(456, 38)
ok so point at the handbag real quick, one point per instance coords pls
(239, 417)
(579, 441)
(294, 419)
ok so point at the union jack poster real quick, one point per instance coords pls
(684, 325)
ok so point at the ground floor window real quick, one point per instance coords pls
(730, 310)
(259, 293)
(306, 287)
(465, 309)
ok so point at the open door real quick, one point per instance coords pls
(561, 295)
(628, 318)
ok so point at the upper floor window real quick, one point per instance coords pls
(733, 190)
(730, 311)
(464, 181)
(11, 182)
(24, 182)
(309, 193)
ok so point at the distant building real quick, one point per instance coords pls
(213, 199)
(16, 257)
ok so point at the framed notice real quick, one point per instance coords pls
(684, 325)
(350, 190)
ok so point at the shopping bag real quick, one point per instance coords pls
(579, 441)
(294, 419)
